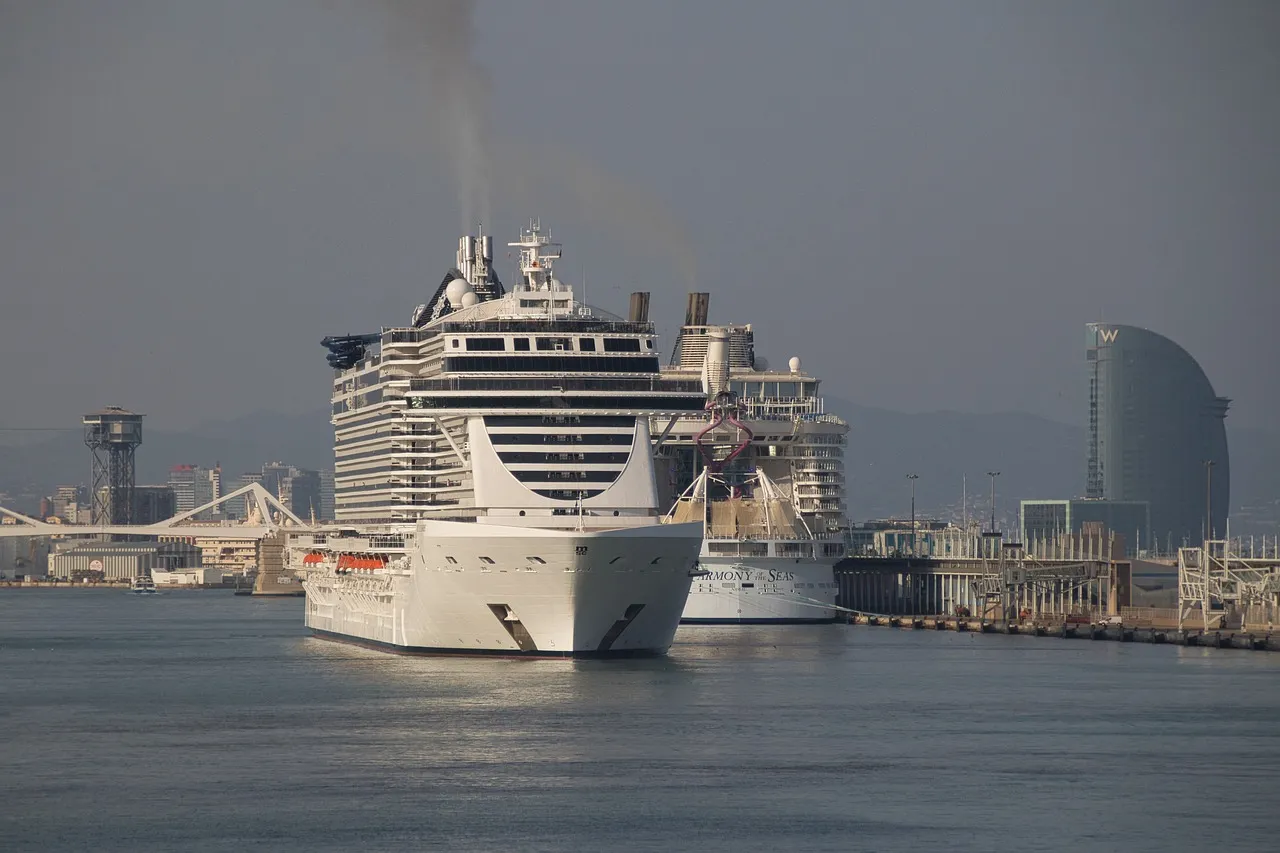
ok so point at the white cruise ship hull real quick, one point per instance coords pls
(761, 590)
(491, 589)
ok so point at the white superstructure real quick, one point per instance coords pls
(494, 481)
(762, 561)
(793, 439)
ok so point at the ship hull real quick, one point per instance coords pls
(762, 590)
(495, 590)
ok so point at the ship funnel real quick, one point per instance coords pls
(715, 366)
(639, 312)
(696, 312)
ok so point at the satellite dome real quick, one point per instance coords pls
(469, 298)
(762, 363)
(794, 364)
(455, 289)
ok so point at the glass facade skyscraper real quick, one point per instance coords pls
(1154, 423)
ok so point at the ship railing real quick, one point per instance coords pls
(558, 383)
(571, 325)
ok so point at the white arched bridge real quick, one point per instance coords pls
(267, 515)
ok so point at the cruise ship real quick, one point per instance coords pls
(768, 443)
(495, 487)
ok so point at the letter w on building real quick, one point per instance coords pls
(1108, 335)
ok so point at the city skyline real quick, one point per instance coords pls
(969, 191)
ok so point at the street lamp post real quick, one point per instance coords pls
(1208, 499)
(993, 475)
(913, 478)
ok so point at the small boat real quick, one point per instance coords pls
(142, 585)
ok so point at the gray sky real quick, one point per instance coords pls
(926, 201)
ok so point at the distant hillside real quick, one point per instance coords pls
(1037, 458)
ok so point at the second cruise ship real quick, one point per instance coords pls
(494, 481)
(764, 466)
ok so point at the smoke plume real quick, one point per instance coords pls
(441, 34)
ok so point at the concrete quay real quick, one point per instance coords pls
(1119, 633)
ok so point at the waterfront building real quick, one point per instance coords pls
(23, 556)
(121, 560)
(1041, 520)
(1157, 433)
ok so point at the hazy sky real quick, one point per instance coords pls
(926, 201)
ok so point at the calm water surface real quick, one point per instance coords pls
(199, 721)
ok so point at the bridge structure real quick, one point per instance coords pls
(1222, 588)
(267, 516)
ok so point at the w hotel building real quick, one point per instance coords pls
(1154, 423)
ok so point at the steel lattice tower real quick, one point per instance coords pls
(112, 435)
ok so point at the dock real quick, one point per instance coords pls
(1067, 630)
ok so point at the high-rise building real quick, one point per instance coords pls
(1157, 433)
(296, 488)
(182, 479)
(195, 486)
(326, 495)
(151, 504)
(72, 504)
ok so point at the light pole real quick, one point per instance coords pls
(1208, 499)
(993, 475)
(913, 478)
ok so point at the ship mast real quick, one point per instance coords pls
(538, 255)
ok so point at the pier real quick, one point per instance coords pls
(1081, 590)
(1048, 625)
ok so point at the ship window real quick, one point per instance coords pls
(648, 344)
(586, 344)
(455, 343)
(748, 586)
(554, 344)
(486, 344)
(488, 560)
(520, 344)
(621, 345)
(537, 560)
(451, 560)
